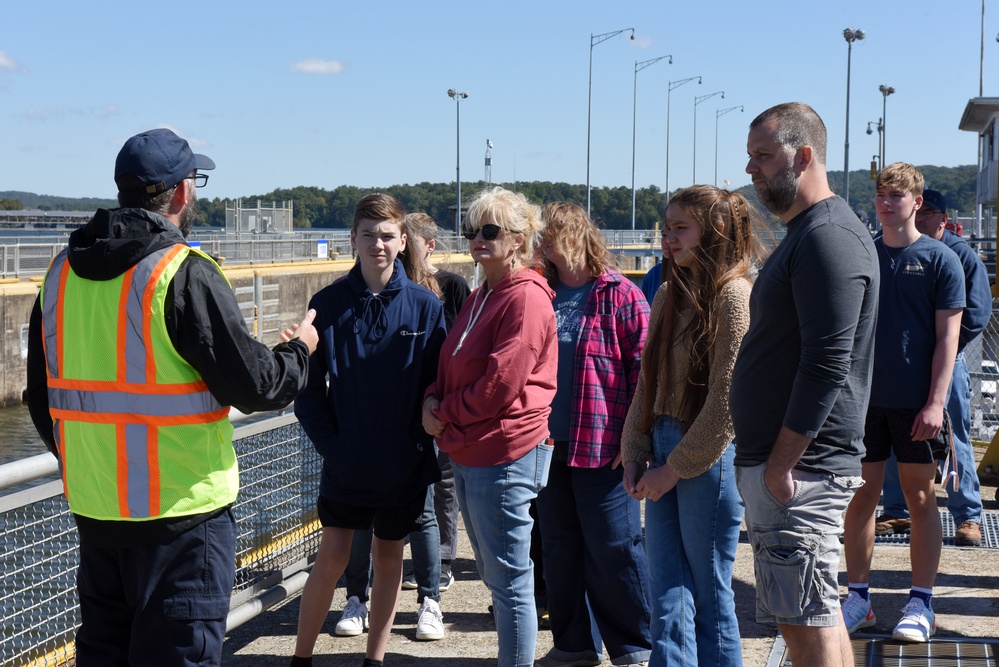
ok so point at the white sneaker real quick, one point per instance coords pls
(354, 619)
(918, 623)
(857, 613)
(429, 621)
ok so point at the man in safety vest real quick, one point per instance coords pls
(136, 350)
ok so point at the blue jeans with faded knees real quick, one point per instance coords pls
(691, 534)
(965, 504)
(495, 502)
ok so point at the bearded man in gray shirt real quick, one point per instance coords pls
(801, 385)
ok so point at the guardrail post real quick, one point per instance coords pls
(258, 306)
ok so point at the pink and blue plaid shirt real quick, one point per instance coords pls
(608, 362)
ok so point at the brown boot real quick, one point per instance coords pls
(968, 534)
(891, 525)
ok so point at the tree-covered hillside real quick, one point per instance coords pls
(611, 207)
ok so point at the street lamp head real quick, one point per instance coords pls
(850, 35)
(700, 80)
(489, 143)
(886, 90)
(869, 130)
(723, 94)
(671, 60)
(452, 92)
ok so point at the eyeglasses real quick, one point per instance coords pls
(200, 180)
(489, 232)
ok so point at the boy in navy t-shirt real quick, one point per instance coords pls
(919, 319)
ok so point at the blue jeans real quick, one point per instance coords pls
(965, 504)
(495, 502)
(357, 575)
(425, 546)
(691, 534)
(446, 507)
(591, 533)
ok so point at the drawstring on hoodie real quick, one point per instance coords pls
(473, 318)
(378, 321)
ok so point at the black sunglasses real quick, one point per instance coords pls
(489, 232)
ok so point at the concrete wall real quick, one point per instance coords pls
(281, 294)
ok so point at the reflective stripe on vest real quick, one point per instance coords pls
(153, 391)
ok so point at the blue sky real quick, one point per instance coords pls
(332, 93)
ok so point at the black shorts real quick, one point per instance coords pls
(389, 523)
(888, 430)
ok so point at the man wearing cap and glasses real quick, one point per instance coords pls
(137, 348)
(965, 501)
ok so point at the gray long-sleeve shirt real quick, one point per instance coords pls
(806, 361)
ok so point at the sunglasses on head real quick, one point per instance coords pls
(489, 232)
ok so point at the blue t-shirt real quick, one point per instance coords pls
(568, 304)
(926, 277)
(651, 282)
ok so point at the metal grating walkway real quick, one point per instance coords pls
(990, 531)
(883, 652)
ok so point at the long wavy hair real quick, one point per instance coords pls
(574, 236)
(729, 249)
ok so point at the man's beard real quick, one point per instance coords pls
(188, 216)
(780, 192)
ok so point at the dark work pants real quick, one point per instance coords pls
(158, 604)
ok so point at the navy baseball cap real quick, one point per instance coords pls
(935, 200)
(155, 161)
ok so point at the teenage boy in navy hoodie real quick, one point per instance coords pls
(379, 341)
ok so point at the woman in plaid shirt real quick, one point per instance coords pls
(590, 528)
(677, 440)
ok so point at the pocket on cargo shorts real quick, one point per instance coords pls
(787, 584)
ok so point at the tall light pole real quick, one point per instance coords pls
(718, 114)
(457, 97)
(669, 91)
(594, 40)
(850, 35)
(639, 66)
(881, 129)
(885, 92)
(698, 100)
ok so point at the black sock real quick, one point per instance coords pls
(300, 662)
(371, 662)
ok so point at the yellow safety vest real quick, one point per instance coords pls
(139, 434)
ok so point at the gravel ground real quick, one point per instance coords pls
(966, 601)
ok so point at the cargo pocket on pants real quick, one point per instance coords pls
(785, 572)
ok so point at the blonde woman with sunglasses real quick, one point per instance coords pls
(489, 408)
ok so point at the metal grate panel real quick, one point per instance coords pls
(990, 532)
(884, 652)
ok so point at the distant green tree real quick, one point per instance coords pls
(8, 204)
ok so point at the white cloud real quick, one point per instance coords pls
(8, 63)
(41, 115)
(317, 66)
(643, 43)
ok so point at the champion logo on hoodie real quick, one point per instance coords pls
(412, 333)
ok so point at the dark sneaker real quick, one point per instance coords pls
(891, 525)
(446, 577)
(968, 534)
(409, 582)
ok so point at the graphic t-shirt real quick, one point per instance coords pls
(568, 304)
